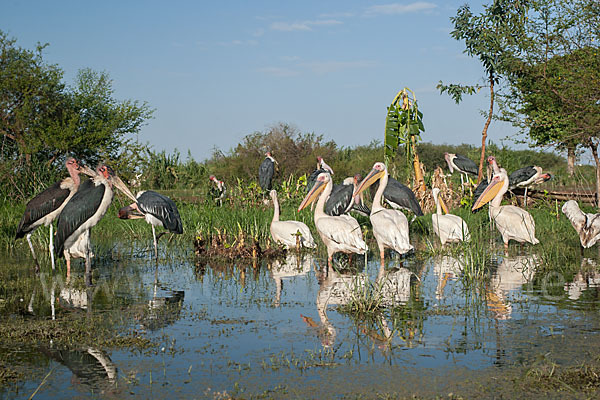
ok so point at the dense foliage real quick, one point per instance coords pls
(43, 120)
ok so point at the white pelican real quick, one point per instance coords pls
(390, 227)
(341, 233)
(512, 222)
(285, 232)
(449, 228)
(587, 225)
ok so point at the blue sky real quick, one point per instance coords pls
(217, 71)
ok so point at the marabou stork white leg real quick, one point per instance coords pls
(37, 265)
(52, 245)
(462, 182)
(155, 243)
(88, 261)
(52, 307)
(526, 196)
(68, 261)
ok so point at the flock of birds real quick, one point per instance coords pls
(340, 232)
(78, 207)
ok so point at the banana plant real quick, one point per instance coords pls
(403, 127)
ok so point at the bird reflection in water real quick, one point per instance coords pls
(445, 268)
(163, 309)
(336, 289)
(294, 265)
(92, 368)
(586, 278)
(512, 274)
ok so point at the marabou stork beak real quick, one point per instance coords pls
(489, 193)
(87, 170)
(122, 187)
(130, 212)
(370, 179)
(316, 190)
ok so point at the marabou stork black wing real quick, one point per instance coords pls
(361, 209)
(521, 175)
(162, 208)
(400, 196)
(82, 206)
(466, 164)
(265, 173)
(340, 200)
(40, 206)
(312, 178)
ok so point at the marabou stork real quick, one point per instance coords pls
(285, 232)
(82, 213)
(44, 208)
(400, 197)
(340, 200)
(341, 233)
(390, 227)
(266, 172)
(157, 210)
(462, 164)
(218, 189)
(512, 222)
(321, 167)
(449, 228)
(528, 176)
(586, 225)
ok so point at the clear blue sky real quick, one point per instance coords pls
(217, 71)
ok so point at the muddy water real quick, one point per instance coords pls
(279, 329)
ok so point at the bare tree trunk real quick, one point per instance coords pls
(594, 149)
(571, 160)
(417, 168)
(485, 128)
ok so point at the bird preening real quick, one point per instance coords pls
(158, 210)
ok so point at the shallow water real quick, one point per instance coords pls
(276, 329)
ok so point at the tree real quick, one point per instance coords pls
(554, 93)
(31, 94)
(403, 125)
(42, 120)
(489, 37)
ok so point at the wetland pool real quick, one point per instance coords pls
(284, 329)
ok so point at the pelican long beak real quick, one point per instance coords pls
(313, 194)
(87, 170)
(122, 187)
(370, 179)
(488, 194)
(443, 205)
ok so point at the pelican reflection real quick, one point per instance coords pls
(512, 274)
(293, 265)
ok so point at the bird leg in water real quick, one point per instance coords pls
(88, 267)
(37, 265)
(382, 256)
(155, 242)
(68, 260)
(52, 245)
